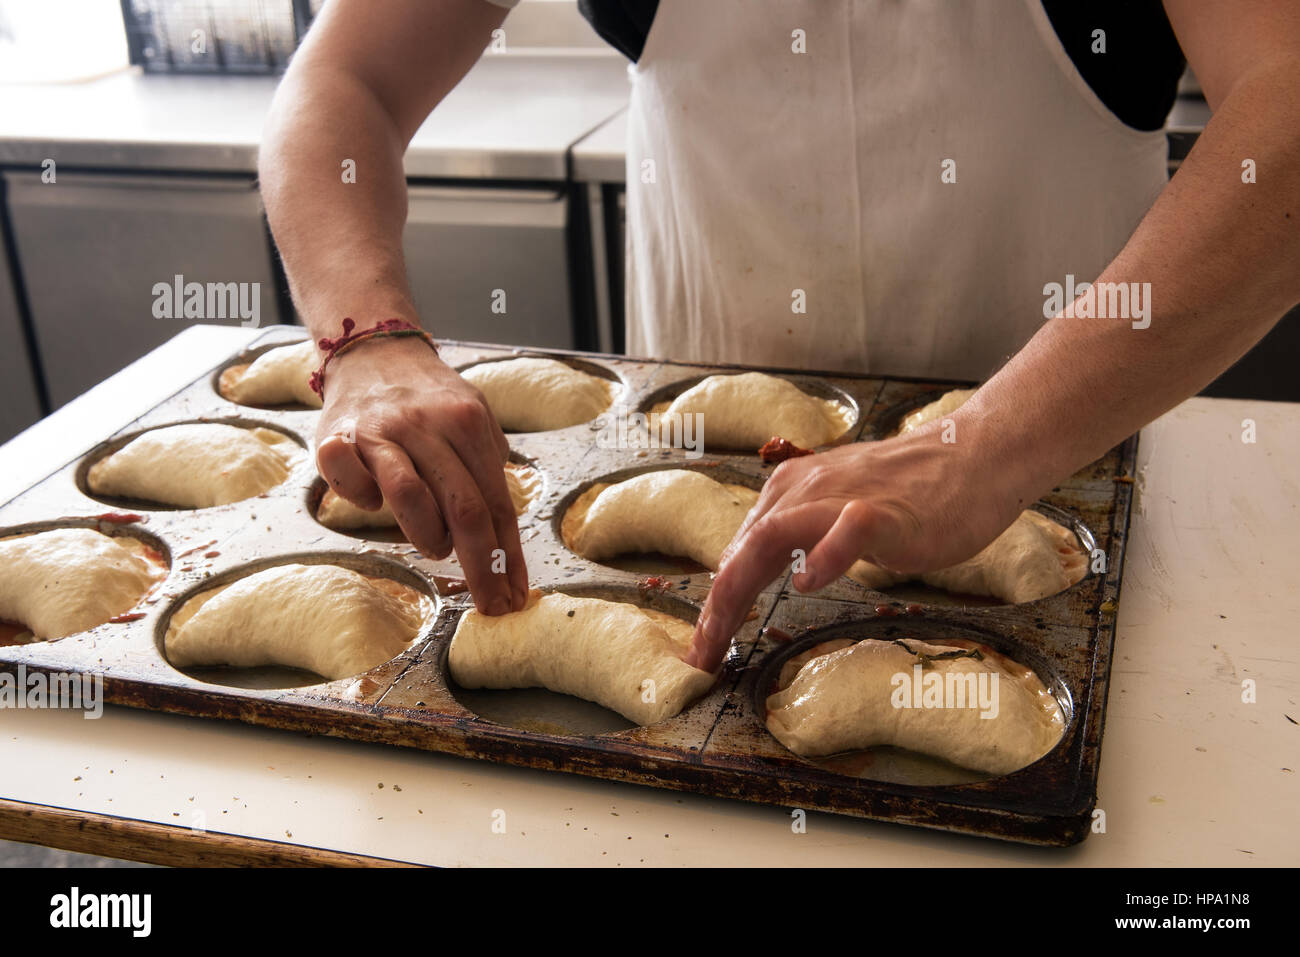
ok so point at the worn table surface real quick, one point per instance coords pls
(1190, 774)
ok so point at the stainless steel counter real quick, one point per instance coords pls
(514, 116)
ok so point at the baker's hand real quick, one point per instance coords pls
(909, 504)
(401, 424)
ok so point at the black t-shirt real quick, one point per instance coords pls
(1137, 77)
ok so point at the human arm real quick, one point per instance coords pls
(1223, 260)
(397, 420)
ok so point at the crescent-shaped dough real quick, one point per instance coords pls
(1032, 559)
(196, 465)
(878, 693)
(276, 377)
(746, 410)
(671, 511)
(531, 394)
(320, 618)
(795, 663)
(613, 653)
(523, 482)
(944, 405)
(67, 580)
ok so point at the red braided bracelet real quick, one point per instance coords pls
(388, 329)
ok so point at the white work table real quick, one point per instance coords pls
(1190, 775)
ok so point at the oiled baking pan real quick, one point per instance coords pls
(719, 745)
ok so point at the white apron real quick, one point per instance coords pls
(758, 176)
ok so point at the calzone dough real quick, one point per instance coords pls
(67, 580)
(746, 410)
(672, 511)
(320, 618)
(532, 394)
(944, 405)
(795, 663)
(276, 377)
(523, 482)
(613, 653)
(196, 465)
(1032, 559)
(850, 699)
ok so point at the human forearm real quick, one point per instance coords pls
(331, 163)
(340, 241)
(398, 425)
(1223, 261)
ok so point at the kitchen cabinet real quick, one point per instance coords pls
(491, 265)
(96, 251)
(19, 402)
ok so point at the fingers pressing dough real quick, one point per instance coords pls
(870, 694)
(1032, 559)
(68, 580)
(744, 411)
(613, 653)
(320, 618)
(523, 482)
(276, 377)
(531, 394)
(196, 465)
(672, 511)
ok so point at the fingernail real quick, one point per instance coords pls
(499, 605)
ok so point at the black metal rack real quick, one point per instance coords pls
(215, 36)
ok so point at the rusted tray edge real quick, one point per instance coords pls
(1106, 622)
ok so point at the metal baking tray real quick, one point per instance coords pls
(718, 746)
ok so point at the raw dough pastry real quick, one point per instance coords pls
(793, 664)
(846, 700)
(944, 405)
(196, 465)
(602, 651)
(531, 394)
(276, 377)
(1032, 559)
(744, 411)
(67, 580)
(336, 512)
(672, 511)
(319, 618)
